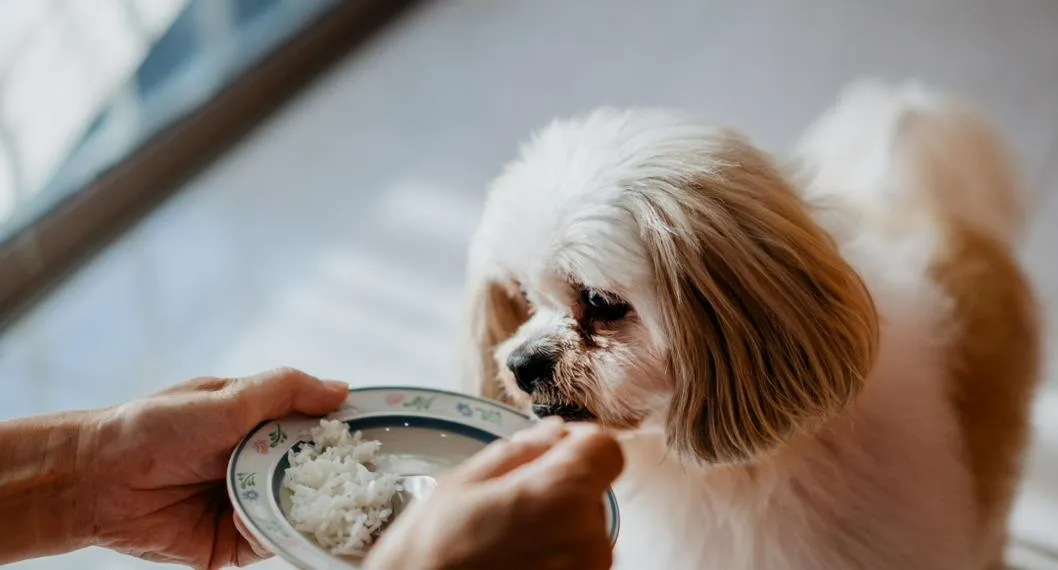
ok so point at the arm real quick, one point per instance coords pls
(43, 500)
(145, 478)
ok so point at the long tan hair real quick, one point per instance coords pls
(770, 331)
(496, 311)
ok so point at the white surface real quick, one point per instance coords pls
(333, 239)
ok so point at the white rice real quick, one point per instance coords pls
(336, 496)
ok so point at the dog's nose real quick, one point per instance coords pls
(530, 367)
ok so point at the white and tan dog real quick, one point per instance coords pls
(825, 365)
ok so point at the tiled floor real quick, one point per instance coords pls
(333, 239)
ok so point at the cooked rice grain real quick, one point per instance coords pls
(336, 498)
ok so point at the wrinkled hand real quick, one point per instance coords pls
(534, 502)
(158, 465)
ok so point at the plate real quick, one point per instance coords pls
(423, 432)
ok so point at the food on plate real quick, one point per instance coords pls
(340, 498)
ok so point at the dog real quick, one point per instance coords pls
(820, 362)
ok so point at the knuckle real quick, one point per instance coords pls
(523, 495)
(605, 449)
(527, 499)
(288, 375)
(238, 388)
(286, 380)
(555, 499)
(603, 442)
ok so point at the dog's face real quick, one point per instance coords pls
(645, 270)
(585, 350)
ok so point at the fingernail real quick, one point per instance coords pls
(337, 385)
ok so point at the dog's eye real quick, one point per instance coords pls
(601, 307)
(522, 292)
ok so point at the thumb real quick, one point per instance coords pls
(282, 392)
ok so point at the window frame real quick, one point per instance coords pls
(54, 244)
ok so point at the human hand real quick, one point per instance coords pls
(534, 502)
(157, 465)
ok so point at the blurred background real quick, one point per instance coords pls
(218, 187)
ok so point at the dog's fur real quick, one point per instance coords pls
(824, 364)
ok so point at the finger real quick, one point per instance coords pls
(502, 456)
(599, 555)
(247, 554)
(546, 431)
(255, 547)
(587, 455)
(591, 554)
(279, 393)
(230, 548)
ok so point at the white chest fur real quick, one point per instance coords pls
(883, 488)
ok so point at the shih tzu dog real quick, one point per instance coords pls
(820, 363)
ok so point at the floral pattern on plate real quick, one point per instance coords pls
(254, 474)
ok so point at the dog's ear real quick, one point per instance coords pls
(495, 313)
(770, 331)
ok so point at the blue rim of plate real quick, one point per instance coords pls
(263, 452)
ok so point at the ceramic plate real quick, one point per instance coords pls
(422, 431)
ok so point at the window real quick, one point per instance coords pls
(84, 82)
(105, 102)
